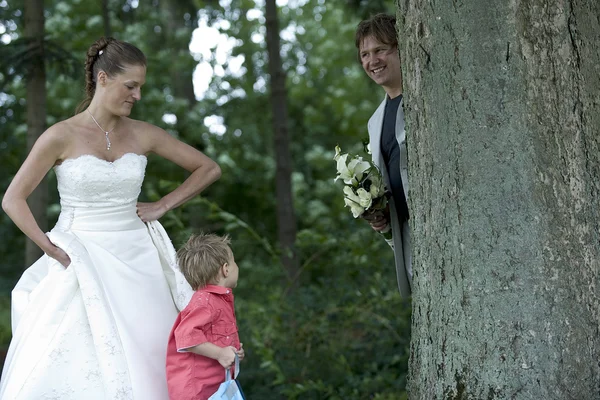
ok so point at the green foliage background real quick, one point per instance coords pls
(344, 333)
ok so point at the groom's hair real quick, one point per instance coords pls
(201, 258)
(381, 26)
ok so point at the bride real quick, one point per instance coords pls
(91, 318)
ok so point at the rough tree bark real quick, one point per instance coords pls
(502, 101)
(36, 113)
(286, 219)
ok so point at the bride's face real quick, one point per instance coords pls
(122, 91)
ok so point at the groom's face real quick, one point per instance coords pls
(381, 62)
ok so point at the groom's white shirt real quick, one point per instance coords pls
(401, 234)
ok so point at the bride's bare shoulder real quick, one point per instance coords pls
(144, 132)
(138, 126)
(65, 128)
(59, 137)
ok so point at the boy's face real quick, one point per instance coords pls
(233, 272)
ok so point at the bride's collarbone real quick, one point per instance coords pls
(98, 147)
(86, 146)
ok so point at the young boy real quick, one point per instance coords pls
(204, 339)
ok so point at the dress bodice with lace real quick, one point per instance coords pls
(89, 181)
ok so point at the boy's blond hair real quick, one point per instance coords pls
(201, 258)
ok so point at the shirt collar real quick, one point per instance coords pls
(217, 289)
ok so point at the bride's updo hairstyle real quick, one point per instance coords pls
(111, 56)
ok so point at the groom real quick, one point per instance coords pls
(377, 46)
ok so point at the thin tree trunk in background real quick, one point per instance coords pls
(106, 18)
(182, 84)
(181, 78)
(36, 115)
(286, 219)
(503, 114)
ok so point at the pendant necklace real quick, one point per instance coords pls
(105, 132)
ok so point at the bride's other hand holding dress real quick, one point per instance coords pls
(44, 154)
(91, 318)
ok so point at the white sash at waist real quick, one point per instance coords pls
(107, 219)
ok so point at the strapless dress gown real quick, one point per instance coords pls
(98, 329)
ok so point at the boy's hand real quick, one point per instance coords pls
(240, 352)
(227, 356)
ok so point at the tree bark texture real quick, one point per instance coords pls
(286, 219)
(502, 102)
(36, 114)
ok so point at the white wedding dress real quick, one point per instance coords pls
(97, 330)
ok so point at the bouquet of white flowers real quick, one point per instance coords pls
(364, 190)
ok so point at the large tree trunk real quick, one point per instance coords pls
(36, 114)
(286, 219)
(503, 116)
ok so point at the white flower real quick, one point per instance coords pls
(351, 195)
(353, 201)
(365, 199)
(356, 209)
(376, 188)
(352, 173)
(342, 168)
(358, 166)
(369, 148)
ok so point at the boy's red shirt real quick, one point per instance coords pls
(209, 317)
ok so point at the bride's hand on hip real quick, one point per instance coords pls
(150, 211)
(61, 256)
